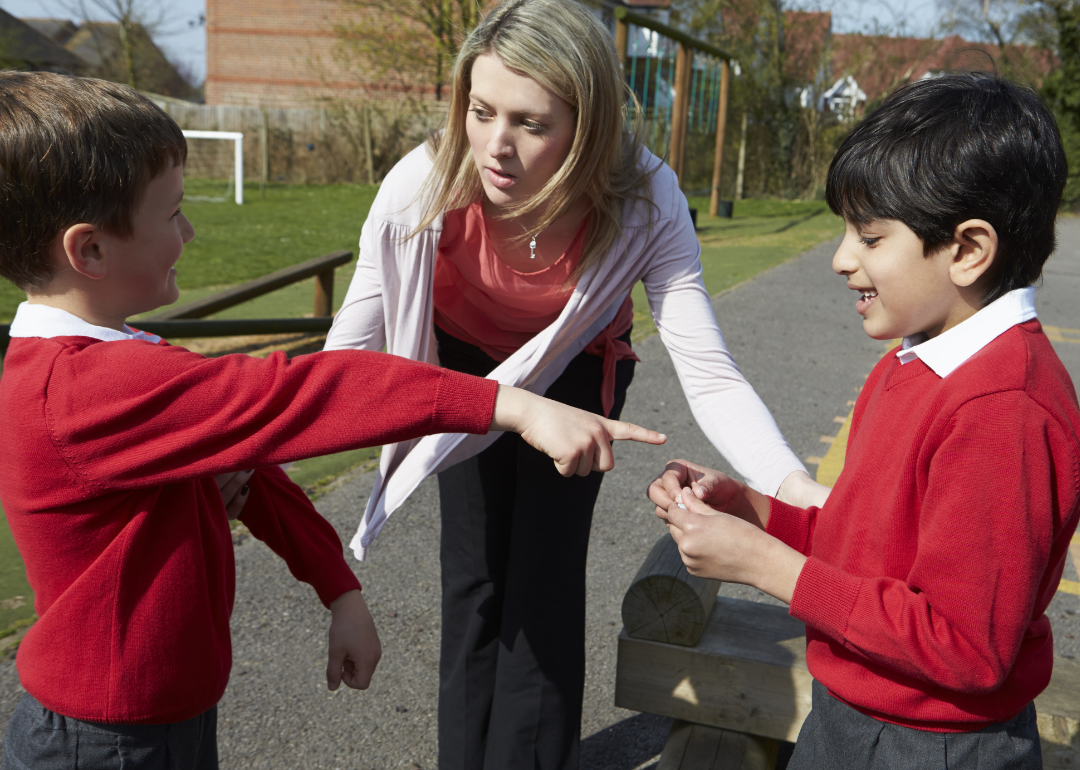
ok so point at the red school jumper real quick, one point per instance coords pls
(934, 559)
(107, 460)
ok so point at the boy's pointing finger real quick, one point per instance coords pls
(623, 431)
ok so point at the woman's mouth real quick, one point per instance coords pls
(865, 301)
(499, 179)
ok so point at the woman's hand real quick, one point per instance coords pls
(578, 441)
(717, 490)
(802, 491)
(720, 546)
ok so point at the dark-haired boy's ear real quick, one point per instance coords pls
(974, 247)
(80, 250)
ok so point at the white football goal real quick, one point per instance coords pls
(238, 155)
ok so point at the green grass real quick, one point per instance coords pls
(234, 243)
(760, 235)
(14, 588)
(295, 223)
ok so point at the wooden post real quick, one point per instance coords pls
(742, 161)
(264, 150)
(665, 603)
(718, 156)
(679, 109)
(367, 145)
(324, 293)
(622, 35)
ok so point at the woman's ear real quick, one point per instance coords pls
(79, 244)
(975, 242)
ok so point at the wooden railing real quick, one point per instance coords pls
(187, 321)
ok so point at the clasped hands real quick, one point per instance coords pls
(720, 530)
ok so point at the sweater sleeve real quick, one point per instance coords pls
(157, 414)
(724, 404)
(281, 515)
(359, 324)
(792, 526)
(986, 527)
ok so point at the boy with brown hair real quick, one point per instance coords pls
(113, 438)
(924, 578)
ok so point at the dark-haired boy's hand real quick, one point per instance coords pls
(721, 546)
(716, 489)
(355, 649)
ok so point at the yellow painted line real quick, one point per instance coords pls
(833, 461)
(1069, 587)
(1076, 541)
(1058, 334)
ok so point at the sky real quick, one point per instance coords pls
(183, 38)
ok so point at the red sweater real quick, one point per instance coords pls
(106, 464)
(941, 545)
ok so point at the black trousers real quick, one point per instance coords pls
(515, 535)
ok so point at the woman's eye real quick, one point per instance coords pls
(869, 242)
(533, 127)
(481, 114)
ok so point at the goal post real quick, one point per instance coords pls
(238, 157)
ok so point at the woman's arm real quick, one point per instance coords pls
(726, 407)
(359, 322)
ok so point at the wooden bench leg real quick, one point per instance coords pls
(700, 747)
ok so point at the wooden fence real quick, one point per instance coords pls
(337, 143)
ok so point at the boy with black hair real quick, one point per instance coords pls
(112, 440)
(924, 579)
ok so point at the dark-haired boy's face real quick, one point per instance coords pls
(141, 267)
(903, 291)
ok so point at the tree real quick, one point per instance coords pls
(412, 43)
(1062, 88)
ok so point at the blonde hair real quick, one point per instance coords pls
(563, 47)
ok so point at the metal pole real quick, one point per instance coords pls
(718, 157)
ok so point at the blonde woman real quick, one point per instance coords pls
(507, 247)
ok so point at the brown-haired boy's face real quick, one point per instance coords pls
(141, 268)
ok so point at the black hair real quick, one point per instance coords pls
(963, 146)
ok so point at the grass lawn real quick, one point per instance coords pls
(760, 235)
(294, 223)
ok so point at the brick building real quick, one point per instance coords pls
(294, 53)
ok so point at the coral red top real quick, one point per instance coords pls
(481, 300)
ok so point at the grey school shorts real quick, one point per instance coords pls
(836, 736)
(39, 739)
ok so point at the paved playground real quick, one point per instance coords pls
(797, 337)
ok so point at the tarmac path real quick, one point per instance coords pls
(797, 337)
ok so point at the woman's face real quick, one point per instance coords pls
(520, 132)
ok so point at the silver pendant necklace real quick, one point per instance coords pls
(532, 243)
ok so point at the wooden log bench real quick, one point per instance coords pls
(733, 675)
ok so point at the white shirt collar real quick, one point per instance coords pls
(947, 351)
(44, 321)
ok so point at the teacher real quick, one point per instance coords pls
(506, 246)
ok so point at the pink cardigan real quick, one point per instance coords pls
(390, 303)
